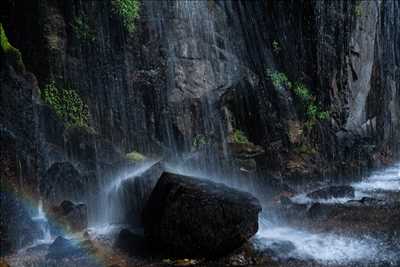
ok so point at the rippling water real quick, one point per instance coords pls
(332, 248)
(382, 180)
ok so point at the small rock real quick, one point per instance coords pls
(71, 216)
(63, 248)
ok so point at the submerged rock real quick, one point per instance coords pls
(195, 217)
(333, 192)
(71, 217)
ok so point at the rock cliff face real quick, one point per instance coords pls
(195, 72)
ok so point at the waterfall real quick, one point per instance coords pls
(41, 220)
(112, 197)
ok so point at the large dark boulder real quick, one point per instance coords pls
(133, 243)
(62, 181)
(195, 217)
(340, 191)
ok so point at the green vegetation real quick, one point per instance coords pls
(128, 10)
(135, 156)
(10, 51)
(305, 149)
(279, 79)
(67, 104)
(199, 141)
(358, 10)
(238, 137)
(82, 30)
(308, 101)
(276, 47)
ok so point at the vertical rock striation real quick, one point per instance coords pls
(193, 72)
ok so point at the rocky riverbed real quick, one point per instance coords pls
(344, 225)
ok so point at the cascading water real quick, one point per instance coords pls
(334, 248)
(41, 220)
(387, 180)
(325, 247)
(112, 199)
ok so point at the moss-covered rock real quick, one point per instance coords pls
(135, 156)
(12, 54)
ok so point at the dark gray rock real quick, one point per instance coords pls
(333, 192)
(64, 248)
(132, 243)
(71, 217)
(17, 229)
(275, 248)
(62, 181)
(195, 217)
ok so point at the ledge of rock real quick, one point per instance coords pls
(187, 216)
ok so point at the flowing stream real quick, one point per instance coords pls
(330, 248)
(284, 240)
(43, 223)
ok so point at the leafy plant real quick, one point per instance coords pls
(302, 92)
(276, 47)
(308, 101)
(278, 79)
(199, 141)
(10, 51)
(67, 104)
(128, 10)
(239, 137)
(83, 30)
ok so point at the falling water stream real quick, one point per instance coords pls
(41, 220)
(325, 248)
(334, 248)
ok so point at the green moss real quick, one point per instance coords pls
(13, 54)
(128, 10)
(276, 47)
(358, 10)
(308, 102)
(83, 30)
(199, 141)
(67, 104)
(279, 79)
(135, 156)
(239, 137)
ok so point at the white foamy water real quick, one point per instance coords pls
(322, 247)
(109, 206)
(41, 219)
(383, 180)
(303, 199)
(115, 184)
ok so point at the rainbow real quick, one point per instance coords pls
(96, 253)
